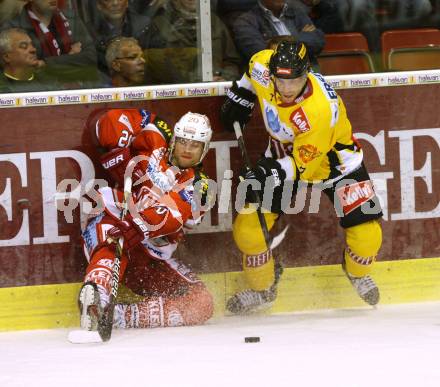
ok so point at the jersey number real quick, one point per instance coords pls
(125, 139)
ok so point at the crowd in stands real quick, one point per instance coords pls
(73, 44)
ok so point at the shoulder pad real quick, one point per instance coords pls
(163, 128)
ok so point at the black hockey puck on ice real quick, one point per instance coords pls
(252, 339)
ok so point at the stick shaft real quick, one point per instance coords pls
(247, 165)
(105, 324)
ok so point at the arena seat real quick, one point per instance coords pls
(345, 53)
(345, 63)
(407, 59)
(346, 41)
(408, 39)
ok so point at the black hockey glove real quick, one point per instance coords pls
(238, 106)
(268, 171)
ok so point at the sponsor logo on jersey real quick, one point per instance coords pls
(258, 260)
(300, 121)
(308, 153)
(354, 195)
(260, 74)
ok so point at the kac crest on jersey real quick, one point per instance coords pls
(278, 127)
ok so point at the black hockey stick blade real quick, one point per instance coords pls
(105, 324)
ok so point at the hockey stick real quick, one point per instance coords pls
(105, 323)
(271, 243)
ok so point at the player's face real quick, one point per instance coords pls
(22, 53)
(289, 89)
(131, 64)
(187, 152)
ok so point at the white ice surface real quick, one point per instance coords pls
(392, 346)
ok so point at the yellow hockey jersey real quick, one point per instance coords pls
(312, 136)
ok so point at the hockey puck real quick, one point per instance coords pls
(252, 339)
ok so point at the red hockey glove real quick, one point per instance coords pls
(115, 162)
(131, 229)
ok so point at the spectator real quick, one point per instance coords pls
(229, 10)
(18, 58)
(10, 9)
(175, 46)
(406, 13)
(253, 29)
(146, 7)
(126, 62)
(325, 15)
(61, 41)
(112, 18)
(333, 16)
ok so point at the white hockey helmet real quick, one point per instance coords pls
(193, 126)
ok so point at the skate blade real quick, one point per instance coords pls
(81, 336)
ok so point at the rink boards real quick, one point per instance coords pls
(46, 139)
(305, 288)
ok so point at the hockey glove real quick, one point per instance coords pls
(115, 162)
(133, 230)
(238, 106)
(268, 172)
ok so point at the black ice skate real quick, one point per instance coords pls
(248, 301)
(365, 287)
(89, 306)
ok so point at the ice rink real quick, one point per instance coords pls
(393, 346)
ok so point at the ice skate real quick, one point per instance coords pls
(365, 287)
(248, 301)
(89, 306)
